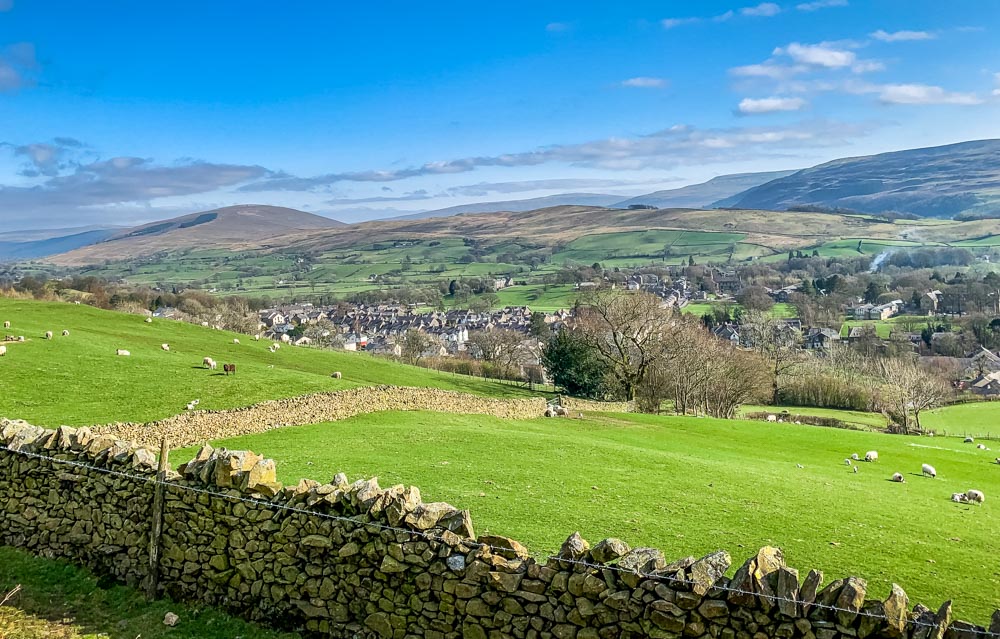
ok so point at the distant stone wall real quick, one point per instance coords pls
(197, 427)
(353, 560)
(574, 403)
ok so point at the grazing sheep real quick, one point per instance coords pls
(20, 338)
(121, 352)
(6, 324)
(65, 333)
(229, 368)
(48, 334)
(148, 320)
(165, 347)
(3, 350)
(277, 346)
(959, 498)
(189, 407)
(772, 418)
(195, 401)
(847, 462)
(997, 460)
(969, 440)
(855, 456)
(799, 466)
(236, 341)
(898, 478)
(337, 375)
(982, 447)
(855, 470)
(928, 470)
(975, 496)
(285, 338)
(209, 363)
(256, 337)
(871, 456)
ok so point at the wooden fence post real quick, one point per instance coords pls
(156, 528)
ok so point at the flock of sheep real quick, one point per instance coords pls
(971, 496)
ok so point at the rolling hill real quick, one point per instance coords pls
(699, 196)
(940, 182)
(564, 199)
(231, 227)
(28, 245)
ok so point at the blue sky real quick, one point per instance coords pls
(123, 112)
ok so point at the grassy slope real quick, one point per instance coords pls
(59, 601)
(979, 419)
(687, 486)
(79, 380)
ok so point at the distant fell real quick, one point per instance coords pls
(30, 245)
(703, 195)
(231, 227)
(941, 182)
(518, 206)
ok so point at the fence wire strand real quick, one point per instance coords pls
(470, 543)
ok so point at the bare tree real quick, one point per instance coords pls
(413, 344)
(502, 347)
(628, 331)
(775, 341)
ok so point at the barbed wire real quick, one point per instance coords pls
(470, 543)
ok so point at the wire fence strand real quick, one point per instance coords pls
(471, 543)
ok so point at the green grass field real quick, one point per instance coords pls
(60, 601)
(687, 486)
(78, 380)
(980, 419)
(859, 418)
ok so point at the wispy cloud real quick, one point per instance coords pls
(670, 23)
(18, 66)
(902, 36)
(558, 27)
(924, 94)
(818, 55)
(667, 148)
(751, 106)
(821, 4)
(555, 184)
(996, 80)
(762, 10)
(412, 196)
(644, 82)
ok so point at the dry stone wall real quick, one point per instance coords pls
(352, 560)
(197, 427)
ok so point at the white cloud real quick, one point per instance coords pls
(768, 69)
(923, 94)
(763, 10)
(818, 55)
(670, 23)
(751, 106)
(18, 66)
(867, 66)
(902, 36)
(996, 78)
(643, 82)
(820, 4)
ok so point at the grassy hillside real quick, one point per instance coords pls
(78, 380)
(687, 486)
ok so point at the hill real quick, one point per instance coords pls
(703, 195)
(78, 380)
(940, 182)
(231, 227)
(28, 245)
(565, 199)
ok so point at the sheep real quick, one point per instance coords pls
(898, 478)
(959, 498)
(928, 470)
(982, 447)
(65, 333)
(277, 346)
(6, 324)
(209, 363)
(48, 334)
(205, 324)
(165, 347)
(148, 320)
(975, 496)
(969, 440)
(855, 457)
(799, 466)
(3, 350)
(195, 401)
(236, 341)
(997, 460)
(337, 375)
(189, 407)
(871, 456)
(121, 352)
(256, 337)
(847, 462)
(772, 418)
(855, 470)
(20, 338)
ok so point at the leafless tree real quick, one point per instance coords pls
(413, 344)
(774, 341)
(502, 347)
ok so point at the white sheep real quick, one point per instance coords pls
(855, 470)
(148, 320)
(969, 440)
(337, 375)
(959, 498)
(982, 447)
(6, 324)
(898, 478)
(121, 352)
(997, 460)
(48, 334)
(928, 470)
(975, 496)
(871, 456)
(65, 333)
(165, 347)
(20, 338)
(277, 346)
(3, 350)
(195, 401)
(189, 407)
(772, 418)
(855, 456)
(799, 466)
(236, 341)
(209, 363)
(256, 337)
(847, 462)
